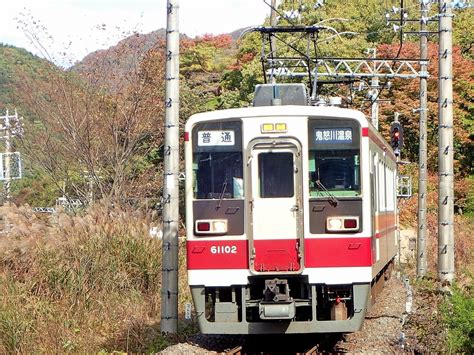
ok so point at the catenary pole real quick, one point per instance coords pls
(445, 148)
(169, 291)
(421, 264)
(374, 85)
(273, 45)
(273, 22)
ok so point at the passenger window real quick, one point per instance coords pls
(276, 175)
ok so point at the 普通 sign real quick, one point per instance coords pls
(213, 138)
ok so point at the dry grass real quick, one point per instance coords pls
(81, 283)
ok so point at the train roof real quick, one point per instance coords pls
(287, 110)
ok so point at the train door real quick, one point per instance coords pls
(275, 226)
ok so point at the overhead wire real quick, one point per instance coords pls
(402, 10)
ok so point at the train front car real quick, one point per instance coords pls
(281, 226)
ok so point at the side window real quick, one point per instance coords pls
(382, 187)
(276, 176)
(375, 161)
(390, 189)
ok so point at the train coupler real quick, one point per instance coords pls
(276, 303)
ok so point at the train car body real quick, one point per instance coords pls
(290, 218)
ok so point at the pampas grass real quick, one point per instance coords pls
(81, 283)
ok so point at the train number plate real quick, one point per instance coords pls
(224, 249)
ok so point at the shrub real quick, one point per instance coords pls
(458, 313)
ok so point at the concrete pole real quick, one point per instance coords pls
(169, 291)
(421, 264)
(445, 147)
(396, 118)
(374, 84)
(273, 45)
(273, 22)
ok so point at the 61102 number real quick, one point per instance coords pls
(224, 249)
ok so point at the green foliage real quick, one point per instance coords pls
(463, 35)
(35, 189)
(458, 312)
(206, 54)
(15, 325)
(11, 59)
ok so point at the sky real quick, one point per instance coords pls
(70, 29)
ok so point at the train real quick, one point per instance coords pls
(291, 215)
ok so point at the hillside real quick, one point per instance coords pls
(15, 59)
(112, 66)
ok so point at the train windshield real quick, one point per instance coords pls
(334, 158)
(218, 175)
(217, 161)
(336, 171)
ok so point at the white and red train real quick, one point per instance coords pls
(290, 218)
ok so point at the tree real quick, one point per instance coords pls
(95, 138)
(404, 97)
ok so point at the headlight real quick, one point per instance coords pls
(342, 224)
(211, 226)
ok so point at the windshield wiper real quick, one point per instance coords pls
(224, 186)
(332, 199)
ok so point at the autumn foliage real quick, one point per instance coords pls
(404, 98)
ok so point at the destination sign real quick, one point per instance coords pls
(333, 135)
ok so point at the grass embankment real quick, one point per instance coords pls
(81, 284)
(444, 323)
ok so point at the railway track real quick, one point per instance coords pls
(263, 344)
(239, 351)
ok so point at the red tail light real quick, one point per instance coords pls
(350, 223)
(342, 224)
(203, 227)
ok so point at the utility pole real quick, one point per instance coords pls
(8, 176)
(421, 264)
(169, 290)
(374, 85)
(10, 126)
(273, 22)
(445, 147)
(273, 45)
(374, 93)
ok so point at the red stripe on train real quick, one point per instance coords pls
(225, 254)
(327, 252)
